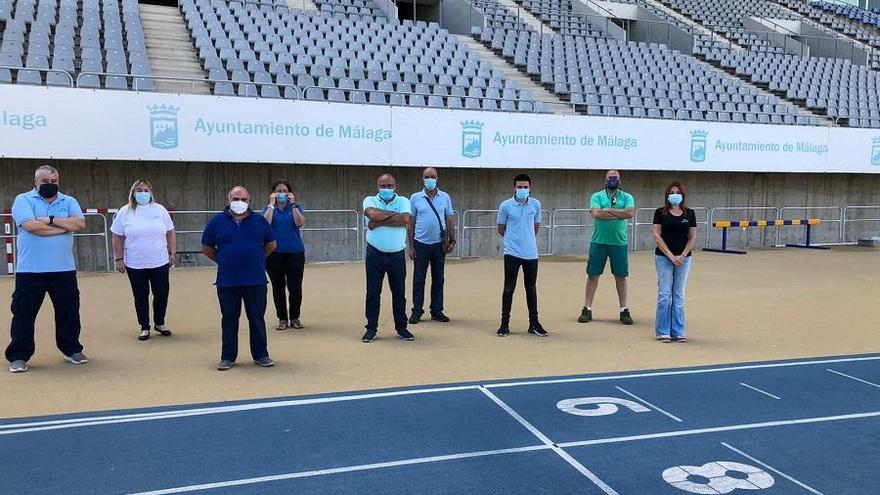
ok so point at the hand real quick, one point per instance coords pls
(171, 260)
(291, 198)
(412, 253)
(450, 246)
(120, 266)
(678, 260)
(371, 225)
(272, 198)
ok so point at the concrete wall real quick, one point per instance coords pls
(203, 186)
(458, 16)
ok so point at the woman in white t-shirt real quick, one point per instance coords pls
(144, 244)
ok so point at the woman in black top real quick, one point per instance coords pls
(675, 232)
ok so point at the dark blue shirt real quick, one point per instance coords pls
(286, 231)
(241, 256)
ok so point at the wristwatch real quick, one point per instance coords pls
(51, 219)
(271, 207)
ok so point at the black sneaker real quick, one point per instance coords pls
(405, 335)
(414, 319)
(369, 336)
(538, 330)
(440, 317)
(625, 317)
(503, 330)
(586, 315)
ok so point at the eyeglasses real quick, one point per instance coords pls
(241, 199)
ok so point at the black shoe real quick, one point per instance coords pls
(625, 317)
(537, 329)
(369, 336)
(503, 330)
(440, 317)
(414, 319)
(404, 334)
(145, 334)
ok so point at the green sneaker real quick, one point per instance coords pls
(586, 316)
(625, 317)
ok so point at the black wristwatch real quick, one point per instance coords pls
(51, 219)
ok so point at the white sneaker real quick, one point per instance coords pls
(18, 366)
(77, 358)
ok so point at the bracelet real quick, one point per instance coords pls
(119, 259)
(453, 240)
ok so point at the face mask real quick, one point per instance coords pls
(386, 194)
(142, 198)
(238, 207)
(281, 197)
(612, 183)
(522, 194)
(430, 184)
(48, 190)
(675, 199)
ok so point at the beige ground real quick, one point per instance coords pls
(766, 305)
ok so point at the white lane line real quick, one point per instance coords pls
(680, 372)
(636, 397)
(771, 468)
(756, 389)
(866, 382)
(339, 470)
(717, 429)
(549, 443)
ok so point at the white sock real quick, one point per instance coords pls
(624, 309)
(588, 308)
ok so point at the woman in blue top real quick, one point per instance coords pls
(285, 266)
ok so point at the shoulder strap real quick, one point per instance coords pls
(442, 225)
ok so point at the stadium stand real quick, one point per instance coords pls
(859, 24)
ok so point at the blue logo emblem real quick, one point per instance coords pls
(163, 127)
(471, 139)
(698, 146)
(875, 152)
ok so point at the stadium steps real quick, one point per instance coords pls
(553, 103)
(527, 17)
(302, 4)
(171, 51)
(827, 29)
(696, 26)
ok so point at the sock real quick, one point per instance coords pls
(588, 308)
(624, 309)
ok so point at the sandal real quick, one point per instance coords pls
(145, 334)
(282, 325)
(162, 330)
(296, 324)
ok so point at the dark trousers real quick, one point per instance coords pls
(286, 271)
(530, 278)
(30, 290)
(433, 255)
(254, 299)
(142, 281)
(377, 265)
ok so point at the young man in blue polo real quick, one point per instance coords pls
(519, 219)
(46, 221)
(239, 241)
(386, 218)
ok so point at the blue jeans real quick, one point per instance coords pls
(671, 281)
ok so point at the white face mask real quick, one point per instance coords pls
(238, 207)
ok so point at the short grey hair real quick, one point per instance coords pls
(46, 168)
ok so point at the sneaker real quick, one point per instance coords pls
(680, 339)
(369, 336)
(625, 317)
(586, 315)
(415, 318)
(296, 324)
(145, 334)
(538, 330)
(265, 362)
(503, 330)
(162, 330)
(77, 358)
(225, 364)
(18, 366)
(440, 317)
(282, 325)
(664, 338)
(405, 335)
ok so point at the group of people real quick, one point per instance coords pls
(247, 245)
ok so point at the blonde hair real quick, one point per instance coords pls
(132, 203)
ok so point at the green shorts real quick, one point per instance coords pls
(600, 253)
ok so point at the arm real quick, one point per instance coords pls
(380, 218)
(502, 229)
(298, 218)
(70, 224)
(625, 213)
(411, 239)
(450, 232)
(269, 215)
(537, 228)
(269, 247)
(692, 240)
(42, 229)
(119, 252)
(210, 252)
(661, 244)
(171, 240)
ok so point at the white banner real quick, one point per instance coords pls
(61, 123)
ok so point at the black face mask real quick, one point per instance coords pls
(612, 183)
(48, 190)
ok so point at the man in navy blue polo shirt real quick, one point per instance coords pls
(46, 221)
(519, 219)
(239, 240)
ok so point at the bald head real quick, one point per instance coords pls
(238, 193)
(386, 180)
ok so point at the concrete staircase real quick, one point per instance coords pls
(554, 104)
(171, 51)
(696, 26)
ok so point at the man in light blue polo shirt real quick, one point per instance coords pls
(46, 221)
(386, 218)
(430, 240)
(519, 219)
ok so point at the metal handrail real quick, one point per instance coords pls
(417, 93)
(69, 77)
(465, 228)
(192, 80)
(357, 228)
(806, 209)
(714, 209)
(847, 220)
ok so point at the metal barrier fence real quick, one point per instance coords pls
(850, 211)
(466, 228)
(637, 225)
(809, 212)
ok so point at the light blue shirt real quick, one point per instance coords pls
(387, 239)
(38, 254)
(427, 230)
(520, 219)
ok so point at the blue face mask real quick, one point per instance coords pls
(675, 199)
(430, 184)
(386, 194)
(142, 198)
(522, 194)
(281, 197)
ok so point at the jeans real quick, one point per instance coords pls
(671, 281)
(377, 264)
(286, 271)
(30, 289)
(142, 280)
(428, 254)
(530, 278)
(254, 298)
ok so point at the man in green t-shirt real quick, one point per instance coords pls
(611, 208)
